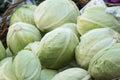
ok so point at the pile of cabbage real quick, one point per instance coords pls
(53, 41)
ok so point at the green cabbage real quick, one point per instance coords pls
(105, 65)
(72, 74)
(56, 48)
(96, 17)
(27, 66)
(2, 51)
(6, 69)
(20, 34)
(92, 42)
(51, 14)
(23, 14)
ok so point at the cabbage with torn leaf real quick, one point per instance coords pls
(72, 74)
(105, 65)
(51, 14)
(20, 34)
(56, 48)
(23, 14)
(92, 42)
(27, 66)
(96, 17)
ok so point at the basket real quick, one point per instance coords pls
(3, 22)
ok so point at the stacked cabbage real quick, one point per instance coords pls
(23, 14)
(96, 17)
(44, 43)
(51, 14)
(95, 40)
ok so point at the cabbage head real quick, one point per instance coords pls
(92, 42)
(2, 51)
(6, 69)
(24, 14)
(27, 66)
(47, 74)
(51, 14)
(20, 34)
(96, 17)
(105, 65)
(57, 47)
(72, 74)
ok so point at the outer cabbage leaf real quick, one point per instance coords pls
(51, 14)
(56, 48)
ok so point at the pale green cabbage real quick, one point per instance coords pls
(27, 66)
(20, 34)
(2, 51)
(105, 65)
(51, 14)
(57, 47)
(23, 14)
(96, 17)
(72, 74)
(92, 42)
(47, 74)
(6, 69)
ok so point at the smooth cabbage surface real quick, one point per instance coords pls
(50, 14)
(72, 74)
(57, 47)
(92, 42)
(96, 17)
(27, 66)
(105, 65)
(24, 14)
(21, 34)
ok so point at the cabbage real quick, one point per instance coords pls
(96, 17)
(2, 51)
(6, 69)
(92, 42)
(23, 14)
(56, 48)
(72, 74)
(105, 65)
(51, 14)
(47, 74)
(20, 34)
(26, 66)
